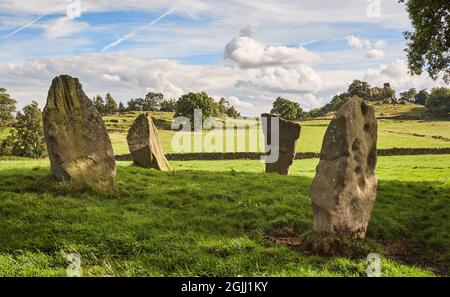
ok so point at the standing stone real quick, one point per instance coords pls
(143, 141)
(289, 134)
(345, 186)
(78, 143)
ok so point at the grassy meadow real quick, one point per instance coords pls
(212, 218)
(392, 133)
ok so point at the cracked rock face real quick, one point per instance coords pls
(289, 134)
(78, 142)
(143, 141)
(345, 186)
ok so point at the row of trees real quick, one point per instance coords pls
(157, 102)
(436, 101)
(26, 137)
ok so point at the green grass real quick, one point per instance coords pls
(391, 133)
(208, 219)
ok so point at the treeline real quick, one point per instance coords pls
(25, 130)
(437, 101)
(156, 102)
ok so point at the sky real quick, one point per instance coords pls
(249, 52)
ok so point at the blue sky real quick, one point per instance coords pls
(247, 51)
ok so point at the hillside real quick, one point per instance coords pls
(394, 132)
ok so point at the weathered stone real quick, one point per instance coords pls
(289, 133)
(344, 189)
(143, 141)
(78, 143)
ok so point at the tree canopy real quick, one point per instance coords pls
(287, 109)
(7, 107)
(428, 45)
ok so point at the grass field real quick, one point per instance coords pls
(393, 133)
(211, 219)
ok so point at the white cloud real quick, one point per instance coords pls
(236, 102)
(63, 27)
(249, 53)
(354, 41)
(374, 49)
(398, 76)
(300, 79)
(109, 77)
(375, 54)
(380, 44)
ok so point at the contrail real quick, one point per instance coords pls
(26, 26)
(133, 32)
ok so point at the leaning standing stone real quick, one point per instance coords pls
(78, 143)
(345, 186)
(289, 133)
(143, 141)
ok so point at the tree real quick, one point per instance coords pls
(27, 137)
(188, 103)
(422, 97)
(7, 107)
(360, 89)
(110, 105)
(135, 104)
(152, 101)
(99, 103)
(337, 101)
(168, 105)
(232, 112)
(429, 44)
(439, 101)
(121, 107)
(286, 109)
(226, 109)
(409, 96)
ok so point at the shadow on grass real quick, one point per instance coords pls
(169, 213)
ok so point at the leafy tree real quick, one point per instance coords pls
(189, 102)
(152, 101)
(7, 107)
(135, 104)
(168, 105)
(232, 112)
(409, 95)
(360, 89)
(337, 101)
(110, 105)
(225, 108)
(286, 109)
(99, 103)
(27, 137)
(439, 101)
(428, 45)
(422, 97)
(121, 107)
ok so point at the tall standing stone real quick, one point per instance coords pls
(143, 141)
(345, 186)
(289, 133)
(78, 143)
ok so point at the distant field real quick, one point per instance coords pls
(392, 133)
(211, 218)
